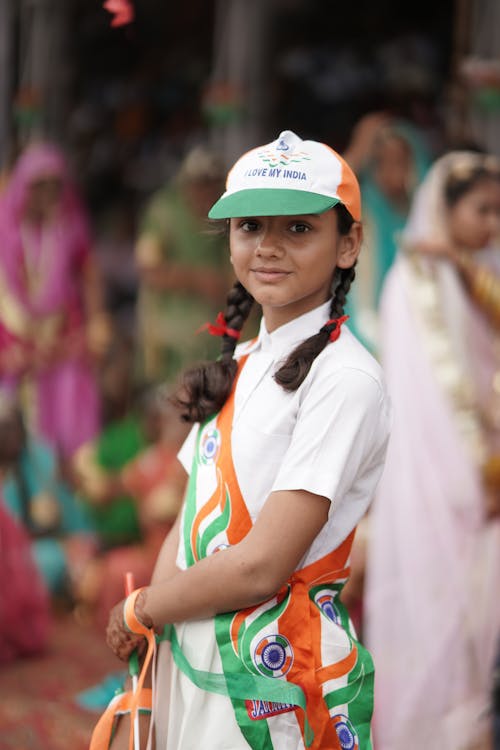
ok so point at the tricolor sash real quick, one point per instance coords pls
(296, 652)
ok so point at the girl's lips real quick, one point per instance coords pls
(270, 274)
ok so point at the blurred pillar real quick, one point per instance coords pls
(7, 76)
(484, 47)
(43, 80)
(237, 95)
(457, 125)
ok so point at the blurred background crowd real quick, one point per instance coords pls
(114, 142)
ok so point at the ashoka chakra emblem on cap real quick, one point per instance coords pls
(273, 656)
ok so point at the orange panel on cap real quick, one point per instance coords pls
(348, 191)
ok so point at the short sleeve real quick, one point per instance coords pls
(342, 427)
(186, 452)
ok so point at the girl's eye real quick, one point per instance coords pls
(300, 227)
(248, 225)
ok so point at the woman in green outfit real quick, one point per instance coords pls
(183, 269)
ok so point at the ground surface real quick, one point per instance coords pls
(37, 707)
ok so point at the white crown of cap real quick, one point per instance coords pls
(288, 163)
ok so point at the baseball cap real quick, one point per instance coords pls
(286, 177)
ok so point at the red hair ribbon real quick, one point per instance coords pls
(337, 325)
(219, 328)
(123, 11)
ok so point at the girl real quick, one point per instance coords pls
(432, 609)
(287, 447)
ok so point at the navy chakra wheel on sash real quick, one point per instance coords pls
(210, 446)
(273, 656)
(346, 733)
(325, 601)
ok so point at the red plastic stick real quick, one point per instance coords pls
(129, 583)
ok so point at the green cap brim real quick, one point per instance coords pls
(270, 202)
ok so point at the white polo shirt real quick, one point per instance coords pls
(328, 437)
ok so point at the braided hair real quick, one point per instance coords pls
(205, 389)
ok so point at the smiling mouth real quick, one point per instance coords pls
(271, 271)
(270, 275)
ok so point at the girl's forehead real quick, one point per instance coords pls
(289, 218)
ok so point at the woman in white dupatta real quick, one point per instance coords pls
(432, 618)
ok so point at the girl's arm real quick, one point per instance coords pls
(165, 566)
(243, 575)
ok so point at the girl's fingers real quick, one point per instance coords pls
(122, 643)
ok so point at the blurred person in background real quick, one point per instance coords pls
(155, 481)
(35, 494)
(132, 484)
(496, 701)
(112, 510)
(390, 157)
(52, 320)
(183, 269)
(432, 617)
(24, 604)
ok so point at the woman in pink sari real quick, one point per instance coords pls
(51, 313)
(25, 603)
(432, 595)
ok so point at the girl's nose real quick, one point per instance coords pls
(269, 243)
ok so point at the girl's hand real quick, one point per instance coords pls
(119, 639)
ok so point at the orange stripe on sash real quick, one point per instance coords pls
(240, 522)
(340, 668)
(307, 640)
(215, 500)
(328, 569)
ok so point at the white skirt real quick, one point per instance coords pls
(188, 718)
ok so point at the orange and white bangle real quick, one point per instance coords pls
(130, 618)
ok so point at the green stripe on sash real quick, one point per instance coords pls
(238, 685)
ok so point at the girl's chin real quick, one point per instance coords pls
(270, 300)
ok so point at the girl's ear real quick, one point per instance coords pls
(350, 246)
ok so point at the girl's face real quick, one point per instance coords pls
(287, 262)
(474, 220)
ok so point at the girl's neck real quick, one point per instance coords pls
(276, 317)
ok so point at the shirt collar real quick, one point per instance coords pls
(289, 335)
